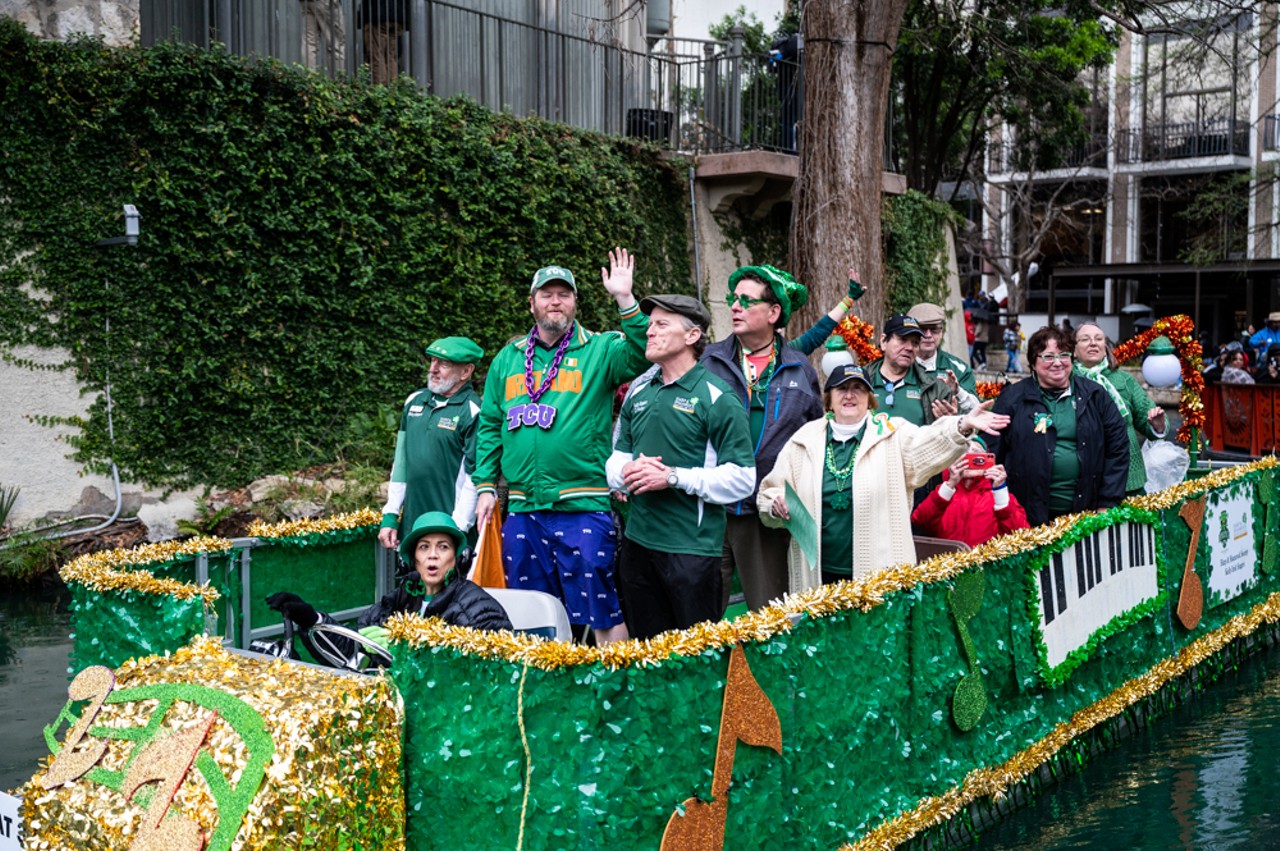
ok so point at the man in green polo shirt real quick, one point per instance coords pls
(435, 446)
(902, 387)
(683, 452)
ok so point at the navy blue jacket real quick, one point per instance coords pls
(792, 400)
(1102, 446)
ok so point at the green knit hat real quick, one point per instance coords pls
(789, 292)
(455, 350)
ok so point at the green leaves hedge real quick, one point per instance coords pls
(302, 239)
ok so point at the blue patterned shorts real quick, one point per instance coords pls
(568, 554)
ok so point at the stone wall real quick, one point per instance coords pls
(115, 22)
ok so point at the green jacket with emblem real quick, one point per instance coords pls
(560, 468)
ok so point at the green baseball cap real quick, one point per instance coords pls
(548, 274)
(790, 293)
(455, 350)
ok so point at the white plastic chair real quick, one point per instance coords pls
(534, 612)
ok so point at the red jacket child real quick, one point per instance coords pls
(979, 510)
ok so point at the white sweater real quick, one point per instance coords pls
(894, 458)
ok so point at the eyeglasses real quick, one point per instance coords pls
(743, 301)
(932, 330)
(888, 394)
(1052, 357)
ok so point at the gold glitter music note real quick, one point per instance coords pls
(748, 716)
(167, 760)
(1191, 597)
(92, 684)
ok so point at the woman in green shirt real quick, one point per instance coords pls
(1142, 419)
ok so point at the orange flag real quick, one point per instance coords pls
(487, 570)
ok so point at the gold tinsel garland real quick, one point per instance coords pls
(761, 625)
(994, 782)
(295, 528)
(117, 570)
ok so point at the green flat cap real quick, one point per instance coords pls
(455, 350)
(790, 293)
(549, 274)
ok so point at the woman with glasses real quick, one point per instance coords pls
(1066, 448)
(1142, 419)
(853, 473)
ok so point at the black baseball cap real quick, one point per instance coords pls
(844, 373)
(902, 325)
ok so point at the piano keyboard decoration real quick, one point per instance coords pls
(1090, 589)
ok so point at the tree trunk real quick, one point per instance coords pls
(835, 224)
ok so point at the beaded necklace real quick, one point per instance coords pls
(841, 499)
(535, 413)
(761, 381)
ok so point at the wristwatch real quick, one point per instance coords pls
(672, 479)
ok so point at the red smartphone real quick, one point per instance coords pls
(979, 460)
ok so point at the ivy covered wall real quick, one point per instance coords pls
(302, 239)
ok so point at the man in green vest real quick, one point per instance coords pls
(435, 446)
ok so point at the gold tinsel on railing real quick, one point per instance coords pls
(994, 782)
(294, 528)
(118, 570)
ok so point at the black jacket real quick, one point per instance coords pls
(461, 603)
(1102, 446)
(792, 400)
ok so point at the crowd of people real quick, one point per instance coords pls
(637, 509)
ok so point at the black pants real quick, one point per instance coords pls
(665, 591)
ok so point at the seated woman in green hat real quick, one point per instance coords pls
(437, 588)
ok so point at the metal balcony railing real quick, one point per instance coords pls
(1213, 137)
(695, 96)
(1005, 158)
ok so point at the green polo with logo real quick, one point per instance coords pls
(695, 421)
(435, 451)
(907, 400)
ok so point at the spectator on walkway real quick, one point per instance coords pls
(1234, 372)
(1269, 369)
(1012, 344)
(1269, 334)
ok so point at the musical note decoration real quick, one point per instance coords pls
(1191, 597)
(1267, 490)
(157, 755)
(167, 761)
(73, 762)
(970, 699)
(748, 716)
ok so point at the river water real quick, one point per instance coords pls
(1206, 777)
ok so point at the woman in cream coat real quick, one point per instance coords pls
(853, 459)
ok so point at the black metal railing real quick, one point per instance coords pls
(693, 95)
(1209, 138)
(1007, 157)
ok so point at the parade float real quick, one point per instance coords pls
(858, 714)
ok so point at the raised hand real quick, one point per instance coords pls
(982, 419)
(617, 278)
